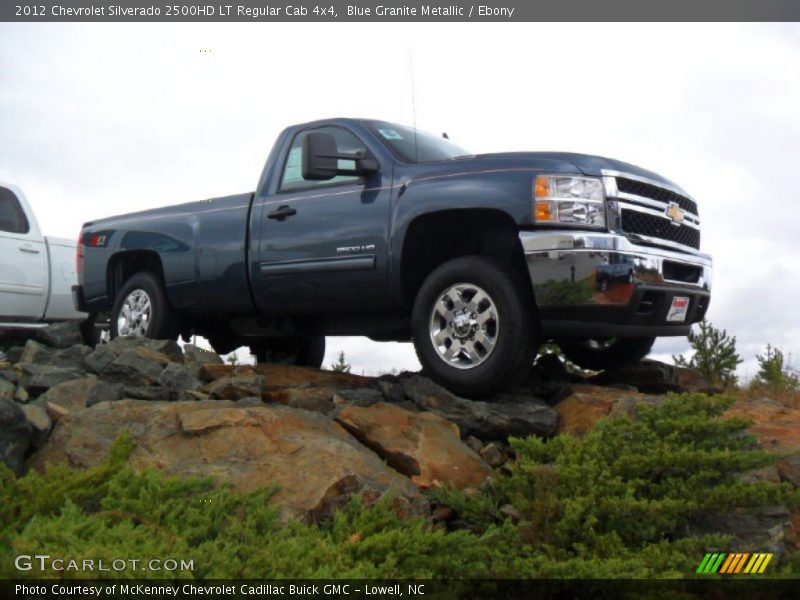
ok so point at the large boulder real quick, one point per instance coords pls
(423, 446)
(61, 335)
(508, 416)
(655, 377)
(236, 387)
(194, 358)
(15, 435)
(37, 379)
(134, 361)
(314, 462)
(7, 390)
(71, 357)
(69, 396)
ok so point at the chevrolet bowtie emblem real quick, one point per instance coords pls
(675, 213)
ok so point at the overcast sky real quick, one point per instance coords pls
(99, 119)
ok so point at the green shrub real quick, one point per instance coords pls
(613, 504)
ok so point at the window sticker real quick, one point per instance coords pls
(390, 134)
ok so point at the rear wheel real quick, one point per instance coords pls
(142, 310)
(472, 326)
(606, 354)
(299, 351)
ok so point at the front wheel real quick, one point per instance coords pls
(142, 310)
(606, 354)
(472, 326)
(298, 351)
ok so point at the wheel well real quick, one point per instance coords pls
(125, 265)
(435, 238)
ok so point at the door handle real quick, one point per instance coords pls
(28, 249)
(282, 212)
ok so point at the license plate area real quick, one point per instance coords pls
(678, 309)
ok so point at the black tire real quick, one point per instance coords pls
(161, 323)
(299, 351)
(606, 355)
(514, 346)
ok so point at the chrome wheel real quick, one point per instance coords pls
(135, 314)
(464, 325)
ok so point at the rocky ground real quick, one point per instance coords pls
(320, 436)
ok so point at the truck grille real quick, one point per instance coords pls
(646, 190)
(652, 226)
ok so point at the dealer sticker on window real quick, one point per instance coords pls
(678, 310)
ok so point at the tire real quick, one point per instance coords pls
(148, 311)
(299, 351)
(606, 355)
(494, 344)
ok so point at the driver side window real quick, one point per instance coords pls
(12, 219)
(292, 176)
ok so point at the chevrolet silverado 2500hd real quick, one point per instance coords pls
(36, 272)
(363, 227)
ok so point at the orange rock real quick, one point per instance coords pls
(423, 446)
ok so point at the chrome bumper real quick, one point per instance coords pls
(577, 276)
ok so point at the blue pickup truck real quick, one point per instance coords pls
(363, 227)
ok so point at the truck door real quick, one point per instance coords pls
(23, 263)
(323, 246)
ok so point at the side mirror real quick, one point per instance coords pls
(321, 159)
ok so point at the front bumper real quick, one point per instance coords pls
(603, 285)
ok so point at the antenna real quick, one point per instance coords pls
(413, 102)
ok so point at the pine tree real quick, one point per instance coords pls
(774, 370)
(341, 366)
(715, 354)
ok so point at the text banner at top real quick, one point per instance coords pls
(355, 10)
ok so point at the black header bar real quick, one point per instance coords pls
(384, 11)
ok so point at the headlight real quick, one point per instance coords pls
(570, 200)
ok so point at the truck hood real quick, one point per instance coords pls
(586, 164)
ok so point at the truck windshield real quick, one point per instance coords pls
(419, 148)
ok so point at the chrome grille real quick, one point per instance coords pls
(646, 210)
(660, 228)
(646, 190)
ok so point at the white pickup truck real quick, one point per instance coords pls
(36, 272)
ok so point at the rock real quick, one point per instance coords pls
(249, 401)
(7, 373)
(177, 379)
(7, 390)
(315, 463)
(508, 511)
(654, 377)
(15, 435)
(287, 376)
(756, 529)
(38, 354)
(135, 361)
(362, 397)
(305, 398)
(61, 335)
(788, 469)
(69, 395)
(103, 391)
(236, 387)
(21, 395)
(39, 422)
(151, 393)
(579, 413)
(493, 454)
(195, 358)
(521, 416)
(14, 353)
(40, 378)
(423, 446)
(474, 443)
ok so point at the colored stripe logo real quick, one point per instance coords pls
(735, 562)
